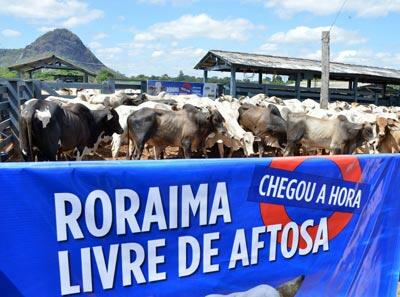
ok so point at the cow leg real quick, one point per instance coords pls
(230, 152)
(180, 153)
(138, 151)
(261, 149)
(187, 148)
(221, 148)
(205, 152)
(116, 145)
(79, 154)
(48, 154)
(158, 152)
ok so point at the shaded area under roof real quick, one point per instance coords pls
(50, 61)
(216, 60)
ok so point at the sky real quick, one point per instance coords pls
(166, 36)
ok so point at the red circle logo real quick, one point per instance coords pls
(273, 214)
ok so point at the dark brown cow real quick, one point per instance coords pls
(187, 128)
(266, 123)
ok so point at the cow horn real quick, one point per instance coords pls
(290, 288)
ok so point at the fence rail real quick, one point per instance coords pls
(351, 95)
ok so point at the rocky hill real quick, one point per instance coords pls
(61, 42)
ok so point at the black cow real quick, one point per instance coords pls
(48, 128)
(187, 128)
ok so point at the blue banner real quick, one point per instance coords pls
(306, 226)
(154, 87)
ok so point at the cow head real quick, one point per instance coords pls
(111, 123)
(248, 141)
(217, 121)
(367, 132)
(382, 127)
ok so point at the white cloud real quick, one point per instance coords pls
(362, 8)
(312, 55)
(10, 33)
(69, 13)
(90, 16)
(269, 48)
(100, 36)
(157, 54)
(202, 25)
(368, 57)
(304, 34)
(170, 2)
(45, 29)
(94, 45)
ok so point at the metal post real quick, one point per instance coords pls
(205, 76)
(233, 82)
(355, 89)
(260, 78)
(324, 100)
(384, 91)
(297, 86)
(350, 85)
(309, 83)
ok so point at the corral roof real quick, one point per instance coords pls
(48, 60)
(217, 60)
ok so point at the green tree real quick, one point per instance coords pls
(5, 73)
(277, 80)
(104, 75)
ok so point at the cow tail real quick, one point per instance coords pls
(128, 156)
(29, 130)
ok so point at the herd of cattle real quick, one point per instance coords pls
(64, 129)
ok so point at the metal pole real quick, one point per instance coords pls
(260, 78)
(233, 82)
(297, 85)
(325, 70)
(205, 76)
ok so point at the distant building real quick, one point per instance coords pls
(306, 74)
(52, 61)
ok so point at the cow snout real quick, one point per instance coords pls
(120, 130)
(221, 130)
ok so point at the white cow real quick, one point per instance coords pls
(288, 289)
(236, 137)
(63, 101)
(111, 100)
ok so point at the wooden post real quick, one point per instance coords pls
(309, 83)
(233, 82)
(324, 100)
(355, 89)
(205, 76)
(85, 78)
(260, 78)
(297, 86)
